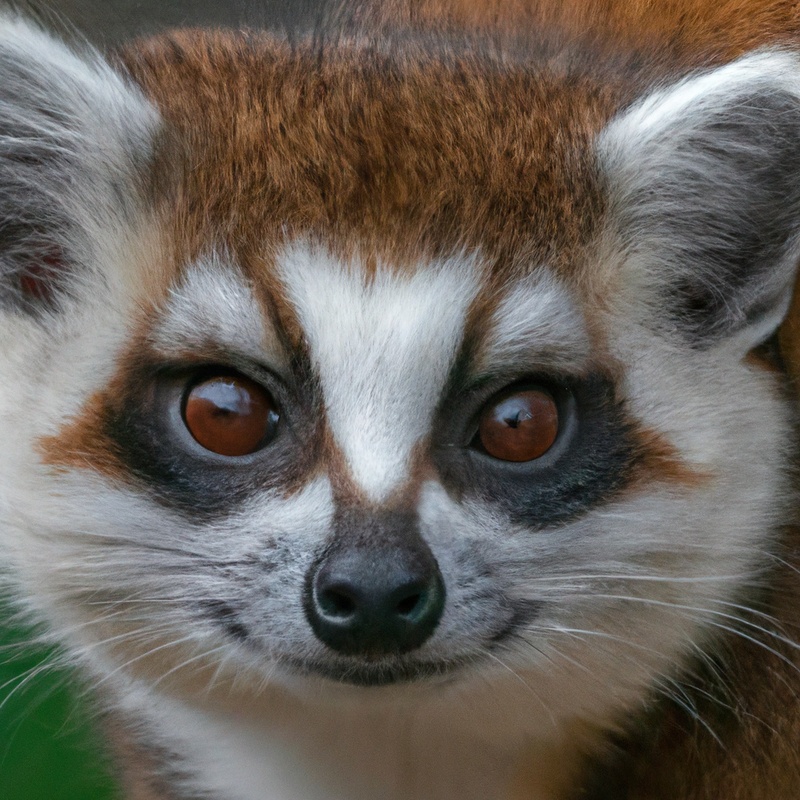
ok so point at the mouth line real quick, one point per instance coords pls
(380, 674)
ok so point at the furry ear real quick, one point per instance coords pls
(73, 139)
(704, 188)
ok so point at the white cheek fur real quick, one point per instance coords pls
(91, 557)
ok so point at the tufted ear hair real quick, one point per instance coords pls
(74, 136)
(703, 181)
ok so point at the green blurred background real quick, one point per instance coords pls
(48, 750)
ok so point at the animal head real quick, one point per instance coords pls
(390, 365)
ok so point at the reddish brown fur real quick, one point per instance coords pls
(139, 766)
(689, 29)
(81, 444)
(660, 461)
(757, 755)
(399, 154)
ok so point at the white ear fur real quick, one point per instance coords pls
(74, 135)
(703, 180)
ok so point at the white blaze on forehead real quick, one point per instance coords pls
(383, 347)
(214, 306)
(537, 325)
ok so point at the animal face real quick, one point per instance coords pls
(366, 369)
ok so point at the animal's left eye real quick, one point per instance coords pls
(521, 426)
(230, 415)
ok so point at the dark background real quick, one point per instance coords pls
(48, 748)
(110, 21)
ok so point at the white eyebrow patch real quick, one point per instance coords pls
(214, 306)
(536, 325)
(383, 346)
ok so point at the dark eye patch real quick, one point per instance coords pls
(148, 432)
(591, 458)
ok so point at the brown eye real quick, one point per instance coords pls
(520, 427)
(230, 415)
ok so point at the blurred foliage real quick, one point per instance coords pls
(48, 750)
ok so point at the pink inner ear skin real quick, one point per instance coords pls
(39, 279)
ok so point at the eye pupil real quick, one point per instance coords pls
(514, 422)
(230, 415)
(521, 426)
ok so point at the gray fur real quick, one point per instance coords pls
(74, 136)
(705, 197)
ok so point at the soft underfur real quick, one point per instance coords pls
(389, 225)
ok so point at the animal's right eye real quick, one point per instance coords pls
(230, 415)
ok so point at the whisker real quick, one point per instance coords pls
(527, 686)
(703, 612)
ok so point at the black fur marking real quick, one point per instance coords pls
(385, 672)
(148, 435)
(224, 614)
(591, 459)
(523, 613)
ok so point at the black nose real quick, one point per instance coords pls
(375, 600)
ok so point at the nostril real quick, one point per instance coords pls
(337, 602)
(411, 604)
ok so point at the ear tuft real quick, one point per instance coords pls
(704, 186)
(74, 136)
